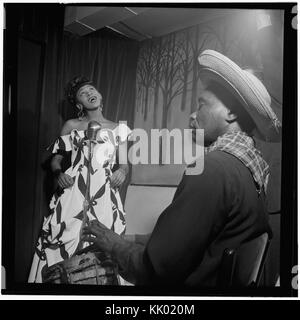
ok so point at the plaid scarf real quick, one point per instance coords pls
(240, 145)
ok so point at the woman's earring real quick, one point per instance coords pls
(101, 106)
(80, 114)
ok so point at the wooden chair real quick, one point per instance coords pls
(243, 266)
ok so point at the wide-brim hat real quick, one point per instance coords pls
(247, 88)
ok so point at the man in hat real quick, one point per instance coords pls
(221, 208)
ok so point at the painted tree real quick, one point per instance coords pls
(166, 65)
(186, 61)
(157, 71)
(145, 75)
(175, 68)
(199, 42)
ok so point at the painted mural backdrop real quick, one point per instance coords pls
(168, 80)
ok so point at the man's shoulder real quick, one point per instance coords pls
(226, 166)
(216, 159)
(221, 171)
(218, 166)
(221, 159)
(213, 164)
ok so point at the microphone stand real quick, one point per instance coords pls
(91, 133)
(85, 220)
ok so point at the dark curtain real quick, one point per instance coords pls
(105, 57)
(29, 37)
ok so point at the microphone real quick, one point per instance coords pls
(92, 130)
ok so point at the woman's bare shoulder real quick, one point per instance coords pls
(110, 124)
(69, 125)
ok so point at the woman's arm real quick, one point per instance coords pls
(64, 180)
(119, 176)
(56, 164)
(124, 168)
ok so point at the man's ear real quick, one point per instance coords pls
(231, 116)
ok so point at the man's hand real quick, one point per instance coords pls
(98, 234)
(117, 178)
(64, 180)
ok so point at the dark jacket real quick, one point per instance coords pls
(210, 212)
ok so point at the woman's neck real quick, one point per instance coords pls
(95, 115)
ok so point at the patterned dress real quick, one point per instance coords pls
(59, 237)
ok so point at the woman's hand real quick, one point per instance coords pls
(117, 178)
(64, 180)
(98, 234)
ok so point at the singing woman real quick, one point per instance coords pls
(60, 235)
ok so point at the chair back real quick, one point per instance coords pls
(242, 267)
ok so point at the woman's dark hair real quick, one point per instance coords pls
(233, 104)
(73, 86)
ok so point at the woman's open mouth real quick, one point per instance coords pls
(92, 99)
